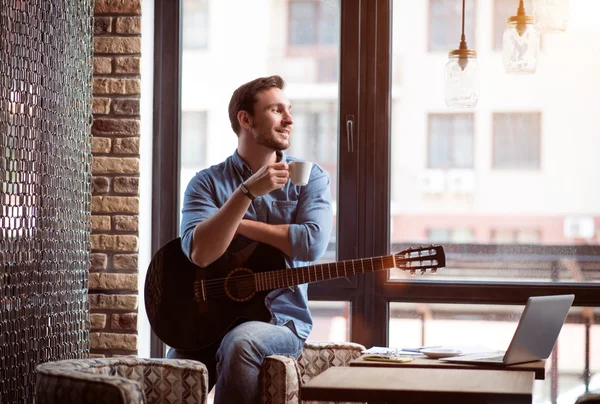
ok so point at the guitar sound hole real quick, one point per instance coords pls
(239, 284)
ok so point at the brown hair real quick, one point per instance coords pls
(244, 98)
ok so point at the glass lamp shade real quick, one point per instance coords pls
(550, 16)
(520, 47)
(462, 81)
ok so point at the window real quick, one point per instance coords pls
(516, 236)
(445, 23)
(313, 34)
(312, 23)
(379, 205)
(502, 10)
(446, 235)
(193, 138)
(516, 140)
(315, 135)
(195, 24)
(450, 141)
(315, 132)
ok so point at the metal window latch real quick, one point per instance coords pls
(350, 132)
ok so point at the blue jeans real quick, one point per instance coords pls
(237, 360)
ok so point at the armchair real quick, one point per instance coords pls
(122, 381)
(282, 376)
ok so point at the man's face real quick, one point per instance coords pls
(272, 122)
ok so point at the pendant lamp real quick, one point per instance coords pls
(520, 43)
(462, 74)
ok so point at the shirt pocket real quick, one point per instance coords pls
(283, 212)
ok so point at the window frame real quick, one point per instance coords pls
(363, 228)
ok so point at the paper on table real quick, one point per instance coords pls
(466, 349)
(382, 350)
(388, 358)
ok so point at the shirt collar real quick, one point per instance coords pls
(242, 167)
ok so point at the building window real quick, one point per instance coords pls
(516, 236)
(450, 235)
(516, 140)
(193, 139)
(315, 132)
(502, 10)
(327, 68)
(450, 141)
(195, 24)
(313, 23)
(445, 24)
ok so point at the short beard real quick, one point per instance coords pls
(267, 141)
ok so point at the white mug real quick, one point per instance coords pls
(300, 172)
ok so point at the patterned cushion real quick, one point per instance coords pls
(122, 380)
(281, 376)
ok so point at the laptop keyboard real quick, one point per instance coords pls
(497, 358)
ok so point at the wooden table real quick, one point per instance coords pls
(420, 385)
(537, 367)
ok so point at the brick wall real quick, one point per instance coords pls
(115, 197)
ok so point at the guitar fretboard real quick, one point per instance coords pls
(320, 272)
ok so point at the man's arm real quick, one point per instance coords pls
(212, 236)
(276, 235)
(307, 239)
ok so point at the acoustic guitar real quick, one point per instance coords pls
(190, 307)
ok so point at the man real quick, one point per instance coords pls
(249, 194)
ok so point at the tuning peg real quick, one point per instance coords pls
(434, 270)
(423, 271)
(412, 272)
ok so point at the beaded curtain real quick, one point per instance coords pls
(45, 186)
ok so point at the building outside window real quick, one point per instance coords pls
(445, 21)
(450, 235)
(313, 34)
(516, 236)
(516, 142)
(450, 141)
(312, 23)
(195, 24)
(193, 139)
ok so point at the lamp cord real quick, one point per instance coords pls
(462, 37)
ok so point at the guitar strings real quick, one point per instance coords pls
(216, 287)
(218, 284)
(297, 272)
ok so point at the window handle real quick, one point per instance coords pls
(350, 132)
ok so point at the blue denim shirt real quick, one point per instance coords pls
(307, 209)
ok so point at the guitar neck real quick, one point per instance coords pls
(321, 272)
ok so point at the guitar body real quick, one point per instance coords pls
(190, 308)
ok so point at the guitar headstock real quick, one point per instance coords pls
(422, 259)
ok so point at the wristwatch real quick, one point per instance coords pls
(246, 192)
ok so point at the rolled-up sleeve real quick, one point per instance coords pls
(198, 205)
(310, 233)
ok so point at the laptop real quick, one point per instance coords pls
(535, 336)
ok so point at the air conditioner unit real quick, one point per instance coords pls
(432, 181)
(461, 181)
(579, 227)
